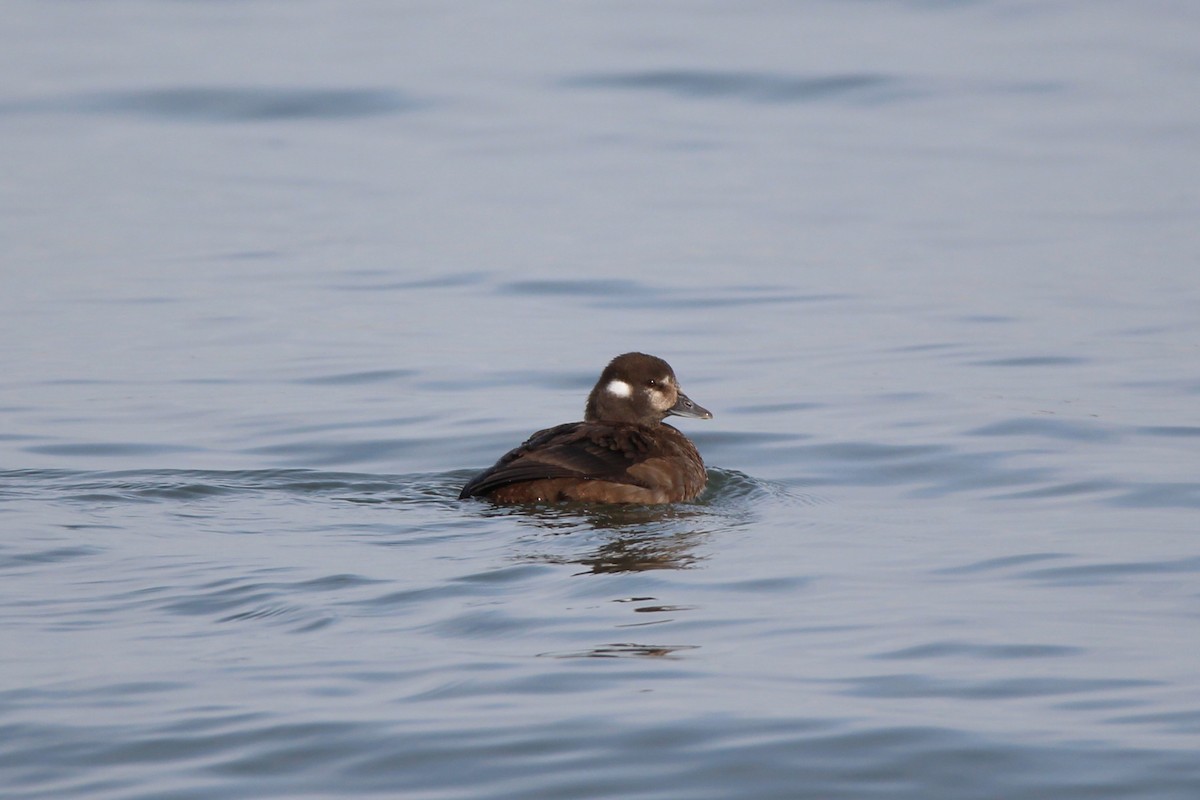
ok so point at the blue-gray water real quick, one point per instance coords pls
(277, 278)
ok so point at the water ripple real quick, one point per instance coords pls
(1033, 361)
(1099, 573)
(908, 686)
(1166, 494)
(946, 649)
(229, 103)
(141, 486)
(626, 294)
(757, 87)
(804, 758)
(1049, 427)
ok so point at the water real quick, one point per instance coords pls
(277, 279)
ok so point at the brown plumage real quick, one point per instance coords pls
(622, 452)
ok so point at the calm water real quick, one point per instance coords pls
(278, 277)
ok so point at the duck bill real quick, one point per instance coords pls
(684, 407)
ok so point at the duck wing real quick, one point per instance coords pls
(582, 450)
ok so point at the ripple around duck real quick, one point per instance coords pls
(937, 470)
(148, 486)
(627, 539)
(729, 494)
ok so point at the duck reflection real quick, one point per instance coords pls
(641, 553)
(615, 539)
(607, 540)
(631, 539)
(627, 650)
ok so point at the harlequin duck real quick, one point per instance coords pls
(622, 452)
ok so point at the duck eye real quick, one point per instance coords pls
(652, 383)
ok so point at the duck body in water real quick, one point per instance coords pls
(622, 451)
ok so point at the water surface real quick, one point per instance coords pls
(931, 265)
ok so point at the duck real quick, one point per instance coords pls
(622, 451)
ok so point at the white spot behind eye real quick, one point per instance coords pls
(619, 388)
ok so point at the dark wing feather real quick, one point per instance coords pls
(575, 450)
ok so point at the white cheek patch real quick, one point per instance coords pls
(619, 389)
